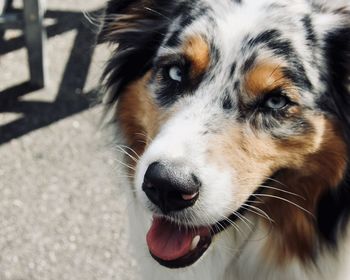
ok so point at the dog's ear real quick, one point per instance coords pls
(137, 28)
(134, 18)
(332, 23)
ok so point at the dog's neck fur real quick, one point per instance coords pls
(296, 233)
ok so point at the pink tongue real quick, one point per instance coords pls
(167, 241)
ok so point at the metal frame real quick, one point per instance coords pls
(35, 37)
(32, 23)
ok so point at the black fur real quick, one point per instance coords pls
(227, 103)
(334, 207)
(281, 46)
(264, 37)
(137, 48)
(233, 69)
(309, 30)
(333, 212)
(174, 39)
(249, 63)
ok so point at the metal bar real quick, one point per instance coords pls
(35, 37)
(11, 20)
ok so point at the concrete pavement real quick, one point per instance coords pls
(62, 213)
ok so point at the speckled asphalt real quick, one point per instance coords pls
(62, 215)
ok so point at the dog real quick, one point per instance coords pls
(235, 123)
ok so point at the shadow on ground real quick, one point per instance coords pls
(37, 114)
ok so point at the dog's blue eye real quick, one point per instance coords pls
(175, 73)
(276, 102)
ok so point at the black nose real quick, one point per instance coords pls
(171, 186)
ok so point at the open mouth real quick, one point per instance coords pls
(176, 246)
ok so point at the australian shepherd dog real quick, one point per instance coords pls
(235, 117)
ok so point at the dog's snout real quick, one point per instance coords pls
(172, 187)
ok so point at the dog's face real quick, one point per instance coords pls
(222, 99)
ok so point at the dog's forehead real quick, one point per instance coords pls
(238, 31)
(228, 22)
(241, 34)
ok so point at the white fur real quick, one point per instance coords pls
(233, 255)
(238, 252)
(179, 140)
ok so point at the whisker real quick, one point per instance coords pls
(142, 141)
(126, 165)
(132, 150)
(232, 223)
(128, 154)
(243, 218)
(255, 201)
(219, 227)
(258, 212)
(158, 13)
(286, 200)
(240, 217)
(93, 21)
(284, 191)
(144, 135)
(276, 181)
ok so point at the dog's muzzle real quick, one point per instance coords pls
(173, 187)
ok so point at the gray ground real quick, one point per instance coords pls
(61, 212)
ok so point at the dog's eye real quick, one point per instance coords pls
(175, 73)
(276, 102)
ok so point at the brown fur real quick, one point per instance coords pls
(265, 77)
(309, 165)
(196, 50)
(294, 233)
(138, 115)
(137, 112)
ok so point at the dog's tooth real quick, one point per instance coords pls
(195, 242)
(189, 196)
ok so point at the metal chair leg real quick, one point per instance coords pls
(5, 5)
(35, 37)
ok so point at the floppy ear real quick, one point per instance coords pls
(332, 23)
(137, 27)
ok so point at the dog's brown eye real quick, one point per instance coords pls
(276, 102)
(175, 73)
